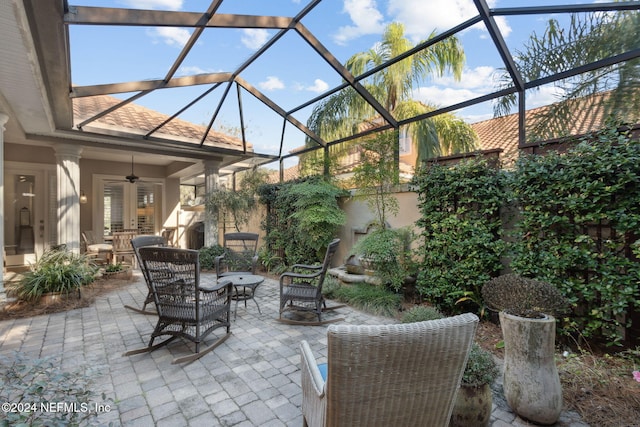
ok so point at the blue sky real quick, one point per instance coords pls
(291, 73)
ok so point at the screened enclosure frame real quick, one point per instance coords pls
(228, 80)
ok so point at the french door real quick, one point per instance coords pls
(29, 210)
(127, 206)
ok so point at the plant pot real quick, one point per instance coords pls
(472, 407)
(50, 298)
(124, 274)
(531, 382)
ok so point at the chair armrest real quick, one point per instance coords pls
(217, 261)
(292, 274)
(306, 266)
(314, 402)
(310, 368)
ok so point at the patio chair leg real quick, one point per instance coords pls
(198, 355)
(141, 310)
(150, 347)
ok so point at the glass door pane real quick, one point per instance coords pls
(146, 208)
(25, 228)
(114, 202)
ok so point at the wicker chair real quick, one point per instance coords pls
(387, 375)
(185, 308)
(303, 291)
(137, 243)
(240, 254)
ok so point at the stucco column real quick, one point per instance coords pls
(68, 179)
(211, 182)
(3, 120)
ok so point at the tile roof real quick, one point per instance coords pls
(502, 132)
(136, 119)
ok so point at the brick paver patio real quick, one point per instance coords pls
(252, 379)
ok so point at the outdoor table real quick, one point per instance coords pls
(245, 285)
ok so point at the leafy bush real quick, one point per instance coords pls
(420, 313)
(523, 297)
(461, 229)
(578, 226)
(34, 381)
(208, 255)
(387, 251)
(57, 270)
(113, 268)
(303, 217)
(481, 367)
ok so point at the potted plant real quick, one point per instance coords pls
(474, 400)
(385, 252)
(527, 308)
(58, 272)
(117, 271)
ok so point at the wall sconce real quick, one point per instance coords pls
(83, 197)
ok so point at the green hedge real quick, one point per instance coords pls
(579, 225)
(302, 218)
(461, 230)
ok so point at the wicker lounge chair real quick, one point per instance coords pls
(301, 289)
(136, 244)
(240, 254)
(185, 309)
(387, 375)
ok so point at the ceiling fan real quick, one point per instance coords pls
(133, 178)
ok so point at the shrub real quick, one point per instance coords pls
(208, 255)
(523, 297)
(35, 381)
(481, 367)
(420, 313)
(387, 252)
(57, 270)
(373, 299)
(578, 224)
(461, 230)
(302, 218)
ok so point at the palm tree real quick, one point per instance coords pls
(346, 112)
(588, 38)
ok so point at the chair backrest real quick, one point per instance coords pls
(90, 238)
(174, 275)
(326, 263)
(122, 241)
(146, 241)
(240, 251)
(400, 374)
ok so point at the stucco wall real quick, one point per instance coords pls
(359, 216)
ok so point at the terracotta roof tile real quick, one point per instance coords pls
(502, 132)
(141, 120)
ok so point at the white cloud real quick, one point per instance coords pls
(440, 97)
(272, 83)
(171, 35)
(366, 18)
(319, 86)
(421, 18)
(503, 26)
(193, 70)
(545, 96)
(254, 38)
(155, 4)
(481, 77)
(445, 91)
